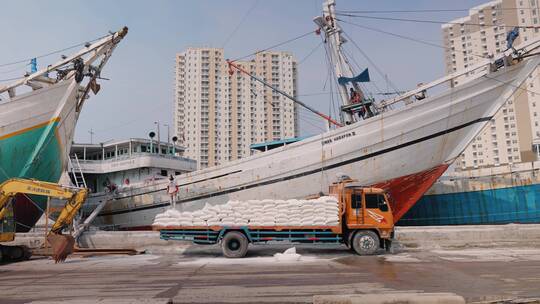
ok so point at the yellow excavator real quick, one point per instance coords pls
(61, 245)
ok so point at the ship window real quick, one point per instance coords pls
(176, 173)
(163, 172)
(143, 148)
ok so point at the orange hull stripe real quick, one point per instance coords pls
(57, 119)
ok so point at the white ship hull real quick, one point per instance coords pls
(37, 125)
(404, 151)
(36, 132)
(51, 109)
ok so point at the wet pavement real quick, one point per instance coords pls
(201, 275)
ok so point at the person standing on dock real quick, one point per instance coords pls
(172, 189)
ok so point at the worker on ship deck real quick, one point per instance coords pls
(172, 190)
(355, 97)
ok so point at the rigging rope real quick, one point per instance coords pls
(523, 87)
(332, 107)
(438, 22)
(310, 53)
(381, 73)
(433, 10)
(404, 37)
(53, 52)
(275, 45)
(20, 67)
(373, 83)
(240, 23)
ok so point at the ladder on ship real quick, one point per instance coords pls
(76, 172)
(80, 181)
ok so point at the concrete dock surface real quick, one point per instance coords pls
(199, 274)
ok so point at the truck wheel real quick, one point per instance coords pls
(234, 244)
(365, 242)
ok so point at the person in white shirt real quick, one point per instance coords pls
(172, 189)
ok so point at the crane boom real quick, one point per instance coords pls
(240, 69)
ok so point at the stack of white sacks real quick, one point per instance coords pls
(323, 211)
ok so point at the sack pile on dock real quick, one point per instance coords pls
(323, 211)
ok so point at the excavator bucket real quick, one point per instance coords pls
(62, 246)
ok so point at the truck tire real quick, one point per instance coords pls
(234, 245)
(365, 242)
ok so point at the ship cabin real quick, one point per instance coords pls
(106, 166)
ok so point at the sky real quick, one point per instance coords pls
(141, 70)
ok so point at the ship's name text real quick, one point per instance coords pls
(338, 138)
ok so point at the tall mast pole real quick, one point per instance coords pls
(333, 39)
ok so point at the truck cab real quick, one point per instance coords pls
(366, 216)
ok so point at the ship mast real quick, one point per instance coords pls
(334, 40)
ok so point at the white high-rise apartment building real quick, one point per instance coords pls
(218, 115)
(513, 135)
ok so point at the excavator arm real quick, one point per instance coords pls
(62, 245)
(70, 210)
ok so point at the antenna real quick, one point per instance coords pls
(91, 136)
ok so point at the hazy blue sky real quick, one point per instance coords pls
(142, 68)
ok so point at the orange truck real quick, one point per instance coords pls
(365, 225)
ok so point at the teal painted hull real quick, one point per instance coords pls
(34, 153)
(517, 204)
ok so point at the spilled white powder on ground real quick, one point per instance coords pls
(401, 258)
(288, 255)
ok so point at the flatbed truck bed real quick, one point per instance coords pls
(254, 234)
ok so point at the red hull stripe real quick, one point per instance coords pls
(407, 190)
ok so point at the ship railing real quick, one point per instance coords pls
(486, 66)
(135, 155)
(516, 169)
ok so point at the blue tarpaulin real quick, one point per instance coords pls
(511, 36)
(362, 77)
